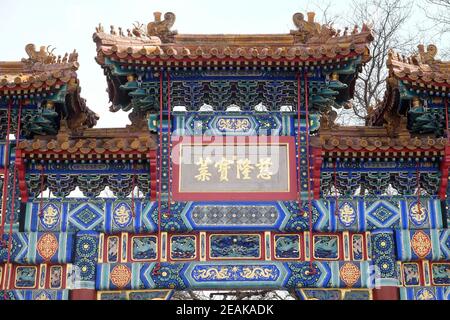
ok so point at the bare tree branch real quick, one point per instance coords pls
(442, 15)
(388, 18)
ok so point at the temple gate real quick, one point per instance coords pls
(233, 173)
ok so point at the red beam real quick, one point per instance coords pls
(444, 174)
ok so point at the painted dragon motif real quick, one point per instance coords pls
(213, 274)
(257, 273)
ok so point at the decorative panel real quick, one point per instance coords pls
(383, 257)
(30, 295)
(425, 293)
(327, 247)
(138, 295)
(178, 247)
(235, 246)
(440, 273)
(43, 276)
(288, 247)
(250, 168)
(102, 215)
(221, 123)
(423, 245)
(36, 248)
(115, 216)
(332, 294)
(235, 275)
(183, 247)
(85, 259)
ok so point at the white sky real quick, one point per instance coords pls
(69, 25)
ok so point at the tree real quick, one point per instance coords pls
(441, 16)
(388, 19)
(234, 295)
(438, 14)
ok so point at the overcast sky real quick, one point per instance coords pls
(69, 24)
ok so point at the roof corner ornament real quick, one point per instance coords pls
(161, 28)
(426, 57)
(99, 28)
(45, 56)
(308, 29)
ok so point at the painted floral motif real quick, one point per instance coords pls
(421, 244)
(43, 296)
(234, 124)
(383, 254)
(47, 246)
(350, 274)
(120, 276)
(86, 255)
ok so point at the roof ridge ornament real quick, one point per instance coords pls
(309, 29)
(45, 56)
(426, 57)
(161, 28)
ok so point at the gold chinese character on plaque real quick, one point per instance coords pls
(265, 169)
(244, 168)
(203, 170)
(223, 167)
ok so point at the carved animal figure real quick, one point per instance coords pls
(43, 55)
(162, 28)
(426, 56)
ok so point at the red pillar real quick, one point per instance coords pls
(317, 168)
(386, 293)
(83, 294)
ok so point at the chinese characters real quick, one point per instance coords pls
(243, 168)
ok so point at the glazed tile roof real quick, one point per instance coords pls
(92, 141)
(372, 140)
(310, 41)
(40, 69)
(418, 72)
(43, 72)
(422, 69)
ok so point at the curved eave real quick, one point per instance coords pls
(391, 99)
(381, 148)
(26, 89)
(427, 84)
(209, 60)
(136, 146)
